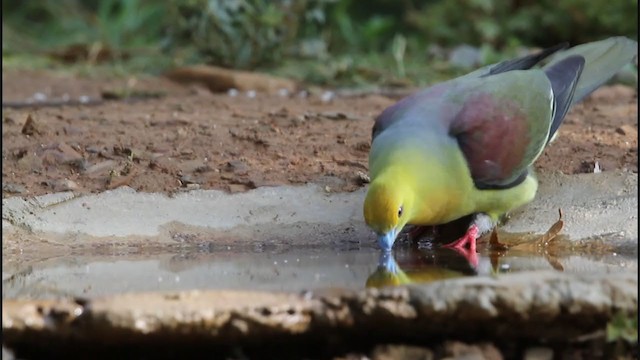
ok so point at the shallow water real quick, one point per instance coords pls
(290, 269)
(62, 245)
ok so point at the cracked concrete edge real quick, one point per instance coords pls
(546, 305)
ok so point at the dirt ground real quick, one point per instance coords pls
(191, 138)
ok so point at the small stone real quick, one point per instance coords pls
(93, 149)
(73, 130)
(14, 188)
(62, 154)
(101, 168)
(236, 188)
(30, 127)
(283, 92)
(188, 179)
(392, 352)
(538, 353)
(193, 166)
(237, 167)
(625, 130)
(69, 153)
(362, 178)
(193, 186)
(63, 185)
(461, 350)
(327, 96)
(30, 162)
(39, 97)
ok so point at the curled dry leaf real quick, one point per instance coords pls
(495, 244)
(553, 232)
(554, 262)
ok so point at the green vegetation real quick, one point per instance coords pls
(623, 327)
(320, 41)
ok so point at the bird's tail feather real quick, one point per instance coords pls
(603, 59)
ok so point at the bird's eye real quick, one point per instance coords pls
(400, 211)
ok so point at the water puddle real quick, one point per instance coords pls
(292, 268)
(293, 239)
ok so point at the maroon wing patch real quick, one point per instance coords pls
(493, 135)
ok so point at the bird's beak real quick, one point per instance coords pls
(385, 241)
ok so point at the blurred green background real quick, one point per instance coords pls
(317, 41)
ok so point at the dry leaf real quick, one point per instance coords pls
(553, 231)
(494, 243)
(554, 262)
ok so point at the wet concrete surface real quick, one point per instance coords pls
(293, 240)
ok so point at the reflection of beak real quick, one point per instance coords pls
(388, 272)
(387, 262)
(385, 241)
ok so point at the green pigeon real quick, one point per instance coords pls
(465, 147)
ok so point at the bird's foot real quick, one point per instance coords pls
(469, 238)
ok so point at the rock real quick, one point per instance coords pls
(538, 353)
(512, 307)
(30, 162)
(626, 130)
(100, 169)
(189, 180)
(362, 178)
(237, 167)
(218, 79)
(193, 166)
(7, 354)
(14, 188)
(401, 352)
(30, 127)
(62, 154)
(65, 185)
(461, 351)
(237, 188)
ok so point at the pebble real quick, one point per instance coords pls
(64, 185)
(101, 168)
(538, 353)
(14, 188)
(625, 129)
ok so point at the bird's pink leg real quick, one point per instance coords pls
(470, 238)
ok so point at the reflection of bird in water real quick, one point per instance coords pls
(444, 234)
(419, 266)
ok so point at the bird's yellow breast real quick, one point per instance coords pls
(439, 182)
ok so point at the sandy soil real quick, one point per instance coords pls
(191, 138)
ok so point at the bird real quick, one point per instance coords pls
(465, 147)
(418, 267)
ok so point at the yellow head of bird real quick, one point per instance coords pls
(386, 210)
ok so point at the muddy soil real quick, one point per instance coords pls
(191, 138)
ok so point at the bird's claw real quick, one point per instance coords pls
(469, 238)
